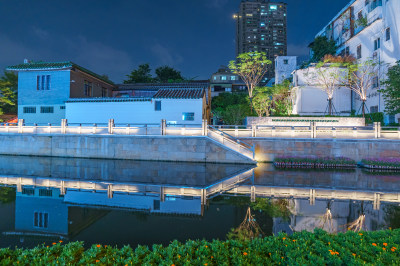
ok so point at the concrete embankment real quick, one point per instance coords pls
(267, 149)
(152, 148)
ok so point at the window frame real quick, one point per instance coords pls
(188, 116)
(157, 106)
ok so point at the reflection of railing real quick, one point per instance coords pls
(313, 193)
(232, 142)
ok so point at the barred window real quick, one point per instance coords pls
(188, 116)
(29, 110)
(41, 219)
(46, 109)
(43, 82)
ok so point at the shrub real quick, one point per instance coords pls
(319, 248)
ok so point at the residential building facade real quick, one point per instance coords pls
(225, 81)
(44, 87)
(261, 26)
(368, 29)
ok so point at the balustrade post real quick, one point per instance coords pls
(375, 130)
(35, 128)
(49, 128)
(128, 129)
(63, 126)
(236, 131)
(163, 127)
(292, 132)
(379, 126)
(205, 127)
(334, 132)
(355, 132)
(253, 131)
(94, 128)
(21, 125)
(110, 126)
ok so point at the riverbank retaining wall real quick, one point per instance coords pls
(267, 149)
(152, 148)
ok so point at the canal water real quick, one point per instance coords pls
(120, 202)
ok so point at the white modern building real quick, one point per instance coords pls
(367, 29)
(176, 106)
(284, 66)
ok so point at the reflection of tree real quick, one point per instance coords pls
(392, 214)
(273, 207)
(247, 230)
(7, 194)
(359, 223)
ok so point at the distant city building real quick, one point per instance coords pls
(368, 29)
(284, 67)
(43, 88)
(225, 81)
(261, 26)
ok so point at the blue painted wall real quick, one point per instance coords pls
(29, 96)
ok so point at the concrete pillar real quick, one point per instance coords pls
(21, 125)
(377, 201)
(63, 126)
(62, 188)
(110, 193)
(162, 194)
(377, 129)
(253, 131)
(204, 127)
(312, 197)
(110, 126)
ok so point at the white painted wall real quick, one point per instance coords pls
(134, 112)
(311, 100)
(284, 71)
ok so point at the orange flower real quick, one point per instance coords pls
(294, 240)
(98, 246)
(105, 246)
(360, 234)
(384, 248)
(97, 261)
(393, 250)
(329, 243)
(354, 254)
(205, 264)
(179, 256)
(385, 244)
(206, 246)
(284, 238)
(269, 253)
(374, 244)
(60, 241)
(54, 243)
(172, 264)
(245, 253)
(212, 257)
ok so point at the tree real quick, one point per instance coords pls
(168, 74)
(8, 93)
(140, 75)
(282, 102)
(321, 46)
(362, 77)
(262, 101)
(251, 67)
(328, 75)
(231, 108)
(391, 93)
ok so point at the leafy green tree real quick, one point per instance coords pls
(251, 67)
(262, 101)
(231, 108)
(8, 93)
(168, 74)
(391, 93)
(7, 195)
(321, 46)
(140, 75)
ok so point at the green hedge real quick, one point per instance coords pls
(319, 248)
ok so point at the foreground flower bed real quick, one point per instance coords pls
(373, 163)
(304, 162)
(319, 248)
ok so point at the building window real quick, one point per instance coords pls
(45, 192)
(359, 51)
(156, 205)
(215, 77)
(375, 82)
(377, 44)
(29, 110)
(347, 51)
(62, 107)
(233, 77)
(387, 34)
(28, 191)
(273, 7)
(41, 219)
(88, 88)
(188, 116)
(223, 77)
(157, 105)
(46, 109)
(104, 92)
(374, 109)
(43, 82)
(285, 61)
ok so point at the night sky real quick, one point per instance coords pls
(114, 36)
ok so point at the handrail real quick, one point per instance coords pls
(233, 139)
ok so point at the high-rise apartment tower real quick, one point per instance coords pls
(261, 27)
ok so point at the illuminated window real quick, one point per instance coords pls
(188, 116)
(223, 77)
(273, 7)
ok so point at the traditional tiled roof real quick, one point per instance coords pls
(179, 94)
(156, 86)
(92, 100)
(31, 66)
